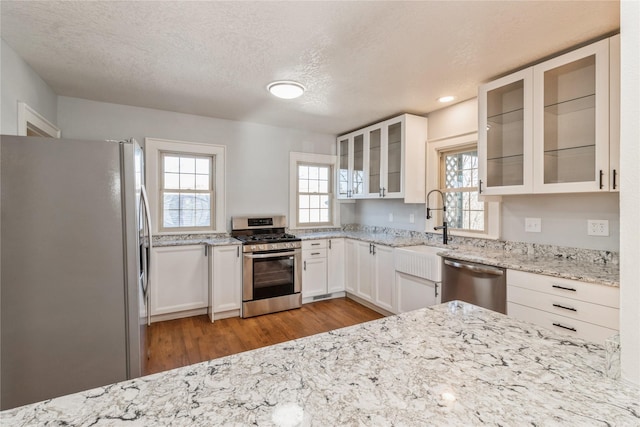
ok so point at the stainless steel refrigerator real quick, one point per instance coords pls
(74, 282)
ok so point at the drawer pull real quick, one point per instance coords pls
(315, 244)
(315, 253)
(563, 288)
(565, 327)
(564, 307)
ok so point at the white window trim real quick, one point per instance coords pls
(433, 180)
(326, 159)
(30, 119)
(153, 149)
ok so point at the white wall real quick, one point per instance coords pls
(21, 83)
(257, 155)
(630, 191)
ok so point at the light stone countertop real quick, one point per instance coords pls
(452, 364)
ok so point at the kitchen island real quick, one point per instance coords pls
(452, 364)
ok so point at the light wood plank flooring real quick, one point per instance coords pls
(181, 342)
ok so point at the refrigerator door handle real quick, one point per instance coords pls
(149, 246)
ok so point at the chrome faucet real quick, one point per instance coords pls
(443, 227)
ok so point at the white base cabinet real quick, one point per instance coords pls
(336, 265)
(371, 273)
(179, 279)
(415, 292)
(584, 310)
(323, 268)
(226, 282)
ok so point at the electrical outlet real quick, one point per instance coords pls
(532, 225)
(597, 227)
(412, 218)
(391, 217)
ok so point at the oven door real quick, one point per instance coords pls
(270, 274)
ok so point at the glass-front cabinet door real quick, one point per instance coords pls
(571, 117)
(358, 172)
(505, 150)
(374, 187)
(345, 160)
(393, 176)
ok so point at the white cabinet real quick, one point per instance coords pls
(180, 279)
(505, 139)
(384, 276)
(226, 282)
(553, 127)
(314, 268)
(351, 266)
(584, 310)
(371, 273)
(415, 292)
(386, 159)
(336, 265)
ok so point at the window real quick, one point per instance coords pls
(311, 198)
(187, 191)
(453, 168)
(314, 194)
(459, 183)
(186, 188)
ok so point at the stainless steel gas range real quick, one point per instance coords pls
(271, 273)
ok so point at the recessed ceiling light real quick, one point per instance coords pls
(448, 98)
(286, 89)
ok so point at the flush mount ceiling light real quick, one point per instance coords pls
(286, 89)
(447, 98)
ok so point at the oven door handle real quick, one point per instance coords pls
(272, 255)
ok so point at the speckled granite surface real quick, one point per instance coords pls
(453, 364)
(589, 266)
(195, 239)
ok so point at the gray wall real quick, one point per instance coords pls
(257, 155)
(21, 83)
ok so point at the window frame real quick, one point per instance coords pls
(329, 193)
(154, 149)
(330, 161)
(162, 190)
(445, 190)
(492, 207)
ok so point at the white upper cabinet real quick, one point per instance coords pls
(553, 127)
(384, 160)
(505, 146)
(571, 121)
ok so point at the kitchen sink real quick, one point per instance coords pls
(420, 261)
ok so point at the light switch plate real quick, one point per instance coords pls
(597, 227)
(390, 217)
(533, 225)
(412, 218)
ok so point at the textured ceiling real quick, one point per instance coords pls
(361, 61)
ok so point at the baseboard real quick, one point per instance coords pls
(178, 315)
(369, 305)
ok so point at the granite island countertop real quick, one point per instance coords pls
(452, 364)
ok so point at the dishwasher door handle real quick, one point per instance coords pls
(475, 268)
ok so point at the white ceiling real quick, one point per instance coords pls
(361, 61)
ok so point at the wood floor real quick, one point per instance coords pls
(181, 342)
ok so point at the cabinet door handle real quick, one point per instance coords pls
(370, 247)
(380, 192)
(238, 251)
(564, 288)
(480, 187)
(601, 175)
(206, 250)
(436, 289)
(329, 243)
(564, 307)
(565, 327)
(373, 249)
(315, 253)
(304, 266)
(615, 175)
(383, 190)
(315, 244)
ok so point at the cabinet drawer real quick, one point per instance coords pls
(565, 325)
(314, 253)
(567, 307)
(589, 292)
(314, 244)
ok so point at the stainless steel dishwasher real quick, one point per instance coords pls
(478, 284)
